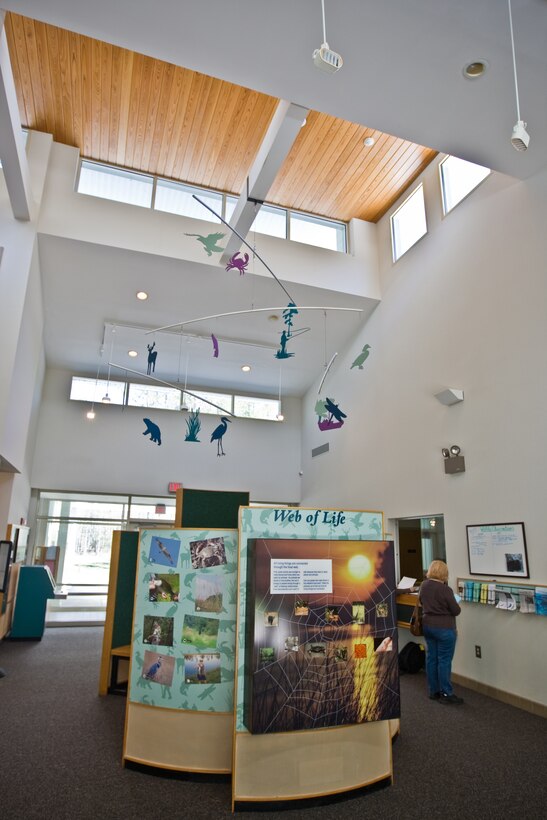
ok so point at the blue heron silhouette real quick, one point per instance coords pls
(218, 433)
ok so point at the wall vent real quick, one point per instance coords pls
(317, 451)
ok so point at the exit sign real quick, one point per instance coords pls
(173, 486)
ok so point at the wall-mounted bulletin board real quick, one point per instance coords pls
(498, 549)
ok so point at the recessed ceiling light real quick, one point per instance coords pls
(132, 353)
(368, 142)
(246, 368)
(142, 295)
(475, 69)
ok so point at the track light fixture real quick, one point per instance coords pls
(325, 58)
(520, 138)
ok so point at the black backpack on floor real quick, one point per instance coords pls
(411, 658)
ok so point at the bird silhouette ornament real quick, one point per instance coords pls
(209, 242)
(363, 355)
(331, 417)
(218, 433)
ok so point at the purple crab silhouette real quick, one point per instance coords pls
(238, 261)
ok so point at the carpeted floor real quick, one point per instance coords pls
(61, 748)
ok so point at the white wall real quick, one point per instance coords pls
(21, 324)
(111, 454)
(25, 391)
(465, 308)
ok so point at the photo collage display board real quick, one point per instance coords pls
(317, 633)
(184, 621)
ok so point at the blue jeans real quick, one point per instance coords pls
(441, 644)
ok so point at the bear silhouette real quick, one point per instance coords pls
(153, 430)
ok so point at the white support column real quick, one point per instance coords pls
(281, 134)
(12, 148)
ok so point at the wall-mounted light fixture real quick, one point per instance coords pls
(453, 461)
(449, 396)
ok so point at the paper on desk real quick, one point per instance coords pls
(406, 583)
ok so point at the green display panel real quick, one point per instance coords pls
(212, 508)
(185, 616)
(125, 589)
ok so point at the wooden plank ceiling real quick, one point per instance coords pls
(123, 108)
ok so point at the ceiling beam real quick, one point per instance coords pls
(281, 133)
(12, 147)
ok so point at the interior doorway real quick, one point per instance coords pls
(421, 541)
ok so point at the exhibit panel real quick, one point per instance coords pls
(183, 648)
(317, 649)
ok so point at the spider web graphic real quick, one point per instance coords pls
(327, 666)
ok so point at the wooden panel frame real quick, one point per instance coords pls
(178, 740)
(316, 763)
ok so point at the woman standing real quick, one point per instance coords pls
(440, 608)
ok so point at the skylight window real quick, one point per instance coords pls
(323, 233)
(271, 221)
(408, 223)
(176, 198)
(254, 408)
(458, 179)
(108, 182)
(223, 400)
(94, 390)
(159, 397)
(162, 398)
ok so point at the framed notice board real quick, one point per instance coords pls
(498, 549)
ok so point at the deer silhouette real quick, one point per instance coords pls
(152, 354)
